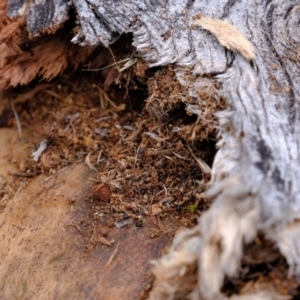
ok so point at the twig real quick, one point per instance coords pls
(103, 95)
(51, 93)
(23, 174)
(63, 169)
(112, 256)
(77, 227)
(112, 54)
(95, 180)
(26, 96)
(19, 190)
(111, 65)
(17, 119)
(181, 157)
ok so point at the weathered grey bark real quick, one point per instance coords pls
(42, 16)
(256, 171)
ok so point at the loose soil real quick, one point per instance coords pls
(124, 169)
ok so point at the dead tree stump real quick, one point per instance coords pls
(255, 182)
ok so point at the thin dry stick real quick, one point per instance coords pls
(30, 94)
(77, 227)
(51, 93)
(112, 54)
(17, 119)
(112, 256)
(19, 190)
(111, 65)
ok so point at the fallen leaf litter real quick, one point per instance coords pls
(148, 158)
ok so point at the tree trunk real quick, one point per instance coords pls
(255, 182)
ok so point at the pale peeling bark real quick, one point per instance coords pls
(256, 171)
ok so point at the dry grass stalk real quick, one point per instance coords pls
(112, 256)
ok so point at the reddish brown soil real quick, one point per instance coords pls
(109, 192)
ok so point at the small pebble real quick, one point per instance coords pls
(138, 224)
(178, 207)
